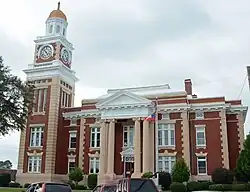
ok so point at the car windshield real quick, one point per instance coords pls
(142, 185)
(55, 187)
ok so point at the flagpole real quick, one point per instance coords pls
(156, 144)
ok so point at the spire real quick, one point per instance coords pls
(58, 5)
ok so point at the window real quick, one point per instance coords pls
(72, 166)
(128, 136)
(35, 164)
(50, 28)
(202, 165)
(72, 140)
(200, 136)
(166, 134)
(166, 163)
(65, 99)
(64, 31)
(36, 136)
(40, 98)
(199, 115)
(94, 165)
(165, 116)
(95, 137)
(57, 29)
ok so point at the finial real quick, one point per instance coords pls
(58, 6)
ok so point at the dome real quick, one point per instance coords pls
(58, 13)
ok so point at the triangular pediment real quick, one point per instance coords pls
(123, 98)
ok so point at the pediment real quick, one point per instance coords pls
(129, 151)
(123, 98)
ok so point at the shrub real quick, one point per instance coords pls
(92, 181)
(222, 176)
(221, 187)
(80, 187)
(180, 171)
(26, 185)
(14, 185)
(5, 179)
(205, 184)
(178, 187)
(165, 180)
(147, 175)
(194, 186)
(76, 175)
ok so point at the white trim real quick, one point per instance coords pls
(200, 129)
(72, 135)
(95, 131)
(168, 160)
(69, 162)
(128, 127)
(35, 160)
(167, 127)
(204, 159)
(96, 164)
(36, 131)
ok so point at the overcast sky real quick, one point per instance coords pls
(137, 42)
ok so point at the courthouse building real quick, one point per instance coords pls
(109, 135)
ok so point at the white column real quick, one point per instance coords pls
(103, 150)
(137, 149)
(111, 148)
(145, 147)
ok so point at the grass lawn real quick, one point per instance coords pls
(6, 189)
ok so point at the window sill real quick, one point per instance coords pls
(166, 147)
(35, 147)
(34, 172)
(94, 148)
(202, 174)
(201, 146)
(38, 113)
(72, 149)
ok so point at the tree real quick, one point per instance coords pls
(16, 98)
(76, 175)
(180, 171)
(5, 164)
(243, 163)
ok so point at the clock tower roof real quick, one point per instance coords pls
(57, 13)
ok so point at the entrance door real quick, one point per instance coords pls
(129, 169)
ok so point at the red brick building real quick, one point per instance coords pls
(109, 135)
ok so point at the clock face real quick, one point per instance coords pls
(65, 56)
(46, 52)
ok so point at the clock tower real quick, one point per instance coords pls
(54, 82)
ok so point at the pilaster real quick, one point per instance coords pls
(240, 124)
(81, 143)
(185, 137)
(224, 141)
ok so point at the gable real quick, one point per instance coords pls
(123, 98)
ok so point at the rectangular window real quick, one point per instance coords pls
(128, 136)
(199, 115)
(94, 165)
(34, 165)
(166, 134)
(200, 136)
(166, 163)
(72, 140)
(202, 165)
(36, 136)
(165, 116)
(95, 137)
(44, 99)
(72, 166)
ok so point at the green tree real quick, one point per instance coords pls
(16, 98)
(243, 162)
(180, 171)
(76, 175)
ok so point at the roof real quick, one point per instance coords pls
(57, 13)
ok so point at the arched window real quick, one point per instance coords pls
(50, 28)
(57, 29)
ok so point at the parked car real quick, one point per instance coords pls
(128, 185)
(48, 187)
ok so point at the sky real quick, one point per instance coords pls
(137, 43)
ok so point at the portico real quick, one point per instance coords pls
(136, 152)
